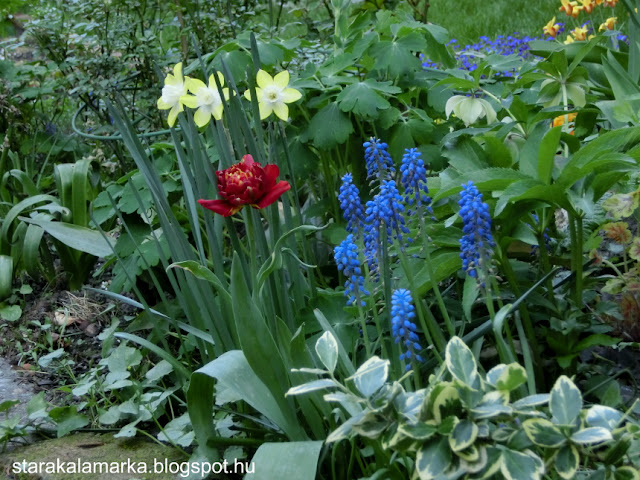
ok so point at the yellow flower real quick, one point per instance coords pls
(571, 8)
(551, 28)
(172, 92)
(206, 99)
(579, 33)
(608, 24)
(273, 94)
(568, 40)
(587, 5)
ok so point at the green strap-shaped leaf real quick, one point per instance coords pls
(261, 351)
(297, 460)
(76, 237)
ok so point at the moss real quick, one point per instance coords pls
(89, 447)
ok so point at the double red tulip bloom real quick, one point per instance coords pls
(246, 183)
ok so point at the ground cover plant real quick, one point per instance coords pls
(340, 244)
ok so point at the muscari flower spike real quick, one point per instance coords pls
(352, 209)
(414, 180)
(476, 244)
(379, 162)
(383, 212)
(402, 327)
(346, 256)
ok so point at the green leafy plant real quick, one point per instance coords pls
(469, 425)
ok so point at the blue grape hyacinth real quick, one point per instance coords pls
(379, 162)
(402, 327)
(352, 209)
(477, 243)
(346, 256)
(414, 180)
(383, 214)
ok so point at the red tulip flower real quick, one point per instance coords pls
(246, 183)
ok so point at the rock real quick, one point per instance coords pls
(65, 458)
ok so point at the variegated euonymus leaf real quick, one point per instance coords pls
(461, 363)
(507, 377)
(606, 417)
(567, 461)
(520, 466)
(327, 350)
(512, 377)
(565, 401)
(371, 425)
(591, 436)
(464, 434)
(443, 401)
(433, 459)
(320, 384)
(543, 433)
(492, 405)
(371, 376)
(531, 401)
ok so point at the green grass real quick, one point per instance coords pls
(467, 20)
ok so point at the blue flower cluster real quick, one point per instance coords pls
(346, 256)
(503, 45)
(379, 162)
(350, 204)
(384, 211)
(476, 244)
(402, 327)
(414, 180)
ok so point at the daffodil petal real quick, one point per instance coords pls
(282, 111)
(263, 79)
(162, 105)
(177, 70)
(282, 79)
(189, 101)
(172, 80)
(193, 85)
(201, 117)
(291, 95)
(173, 114)
(247, 94)
(212, 82)
(265, 110)
(225, 92)
(217, 112)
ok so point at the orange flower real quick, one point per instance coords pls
(610, 3)
(560, 120)
(618, 232)
(608, 24)
(587, 5)
(568, 7)
(551, 28)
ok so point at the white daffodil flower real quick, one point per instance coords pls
(174, 88)
(273, 94)
(205, 98)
